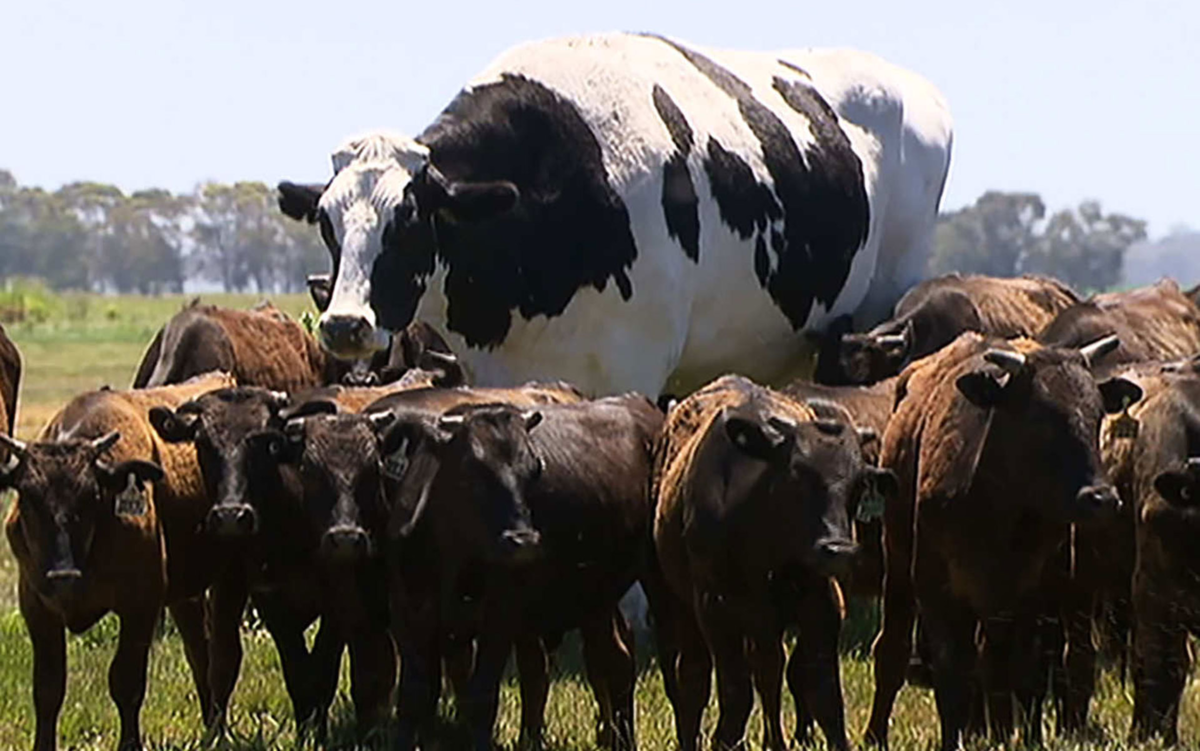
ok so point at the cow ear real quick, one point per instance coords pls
(308, 409)
(10, 466)
(173, 426)
(447, 367)
(274, 444)
(465, 201)
(982, 388)
(532, 419)
(768, 443)
(1118, 393)
(1176, 488)
(884, 481)
(135, 472)
(300, 201)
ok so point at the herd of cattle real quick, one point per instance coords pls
(1009, 466)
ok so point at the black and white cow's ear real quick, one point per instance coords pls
(300, 201)
(464, 200)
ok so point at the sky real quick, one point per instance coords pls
(1072, 100)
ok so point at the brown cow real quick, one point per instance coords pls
(1158, 322)
(755, 491)
(932, 314)
(10, 382)
(263, 347)
(996, 447)
(105, 521)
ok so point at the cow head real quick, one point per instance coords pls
(481, 463)
(65, 491)
(802, 477)
(220, 424)
(853, 359)
(1045, 413)
(337, 459)
(377, 218)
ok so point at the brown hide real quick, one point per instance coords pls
(10, 381)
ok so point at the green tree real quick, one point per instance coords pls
(990, 237)
(1085, 247)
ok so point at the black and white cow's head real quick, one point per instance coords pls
(376, 217)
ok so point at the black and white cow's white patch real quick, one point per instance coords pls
(621, 210)
(822, 203)
(679, 202)
(570, 229)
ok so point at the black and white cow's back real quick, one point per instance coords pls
(676, 212)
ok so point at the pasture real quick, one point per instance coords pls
(85, 341)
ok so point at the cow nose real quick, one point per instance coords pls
(233, 520)
(1098, 499)
(345, 543)
(64, 575)
(345, 334)
(835, 555)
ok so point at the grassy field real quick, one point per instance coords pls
(87, 341)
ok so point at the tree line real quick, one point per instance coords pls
(92, 236)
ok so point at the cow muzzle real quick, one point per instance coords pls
(233, 520)
(350, 336)
(345, 543)
(64, 582)
(1097, 501)
(833, 556)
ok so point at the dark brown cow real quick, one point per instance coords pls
(105, 521)
(1157, 473)
(755, 492)
(1158, 322)
(10, 382)
(933, 314)
(996, 447)
(263, 347)
(511, 525)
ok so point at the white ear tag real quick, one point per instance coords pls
(132, 500)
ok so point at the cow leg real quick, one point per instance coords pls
(1160, 669)
(188, 616)
(820, 614)
(995, 655)
(458, 655)
(693, 675)
(663, 614)
(372, 678)
(1028, 676)
(766, 664)
(326, 663)
(608, 656)
(48, 635)
(950, 626)
(226, 605)
(127, 673)
(1079, 663)
(483, 691)
(734, 692)
(287, 631)
(893, 646)
(535, 688)
(795, 681)
(420, 683)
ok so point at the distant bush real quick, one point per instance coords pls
(28, 300)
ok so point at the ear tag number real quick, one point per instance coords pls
(870, 506)
(1125, 425)
(132, 500)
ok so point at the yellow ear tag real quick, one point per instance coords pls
(1125, 425)
(132, 500)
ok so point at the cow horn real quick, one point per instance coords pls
(106, 441)
(890, 340)
(1193, 462)
(532, 419)
(15, 446)
(277, 400)
(1099, 348)
(451, 422)
(380, 420)
(1009, 361)
(785, 425)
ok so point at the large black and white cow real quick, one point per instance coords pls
(623, 211)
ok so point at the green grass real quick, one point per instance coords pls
(85, 341)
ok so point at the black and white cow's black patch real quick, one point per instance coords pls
(568, 229)
(679, 200)
(823, 204)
